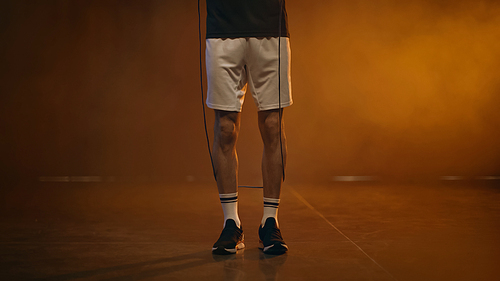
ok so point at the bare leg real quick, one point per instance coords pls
(226, 129)
(271, 241)
(272, 171)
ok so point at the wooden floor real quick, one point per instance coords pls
(342, 231)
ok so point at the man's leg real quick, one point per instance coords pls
(272, 170)
(272, 176)
(226, 129)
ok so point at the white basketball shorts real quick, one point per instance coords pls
(235, 65)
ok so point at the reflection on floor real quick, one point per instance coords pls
(342, 231)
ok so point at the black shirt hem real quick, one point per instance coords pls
(245, 35)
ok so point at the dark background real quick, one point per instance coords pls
(405, 90)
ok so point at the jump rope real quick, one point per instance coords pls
(279, 95)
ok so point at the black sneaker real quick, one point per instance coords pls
(271, 241)
(230, 240)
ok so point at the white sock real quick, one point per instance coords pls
(229, 202)
(270, 209)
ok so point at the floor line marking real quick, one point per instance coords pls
(338, 230)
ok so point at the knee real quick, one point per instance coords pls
(227, 133)
(270, 128)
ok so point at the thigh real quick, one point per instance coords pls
(262, 62)
(226, 73)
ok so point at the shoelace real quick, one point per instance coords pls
(229, 233)
(274, 234)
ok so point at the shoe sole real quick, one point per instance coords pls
(225, 251)
(275, 249)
